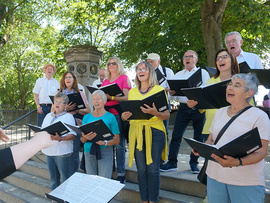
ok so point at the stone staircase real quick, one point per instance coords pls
(31, 182)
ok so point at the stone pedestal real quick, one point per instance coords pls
(83, 61)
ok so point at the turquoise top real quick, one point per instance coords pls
(108, 118)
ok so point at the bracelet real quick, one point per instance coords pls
(106, 142)
(240, 162)
(60, 139)
(38, 106)
(112, 98)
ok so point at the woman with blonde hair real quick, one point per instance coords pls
(147, 138)
(116, 74)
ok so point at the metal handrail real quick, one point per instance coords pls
(19, 119)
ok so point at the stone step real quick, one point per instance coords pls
(13, 194)
(36, 168)
(29, 182)
(180, 182)
(130, 193)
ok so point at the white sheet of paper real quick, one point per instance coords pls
(84, 188)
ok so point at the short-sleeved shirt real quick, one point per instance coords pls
(45, 88)
(253, 60)
(243, 175)
(108, 118)
(63, 147)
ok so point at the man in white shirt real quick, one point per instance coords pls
(45, 87)
(234, 41)
(154, 60)
(185, 115)
(101, 75)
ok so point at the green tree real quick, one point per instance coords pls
(172, 27)
(21, 62)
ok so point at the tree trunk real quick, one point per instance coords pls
(211, 17)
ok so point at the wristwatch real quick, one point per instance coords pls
(240, 162)
(106, 142)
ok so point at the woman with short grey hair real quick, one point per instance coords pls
(58, 155)
(251, 82)
(99, 155)
(238, 179)
(101, 94)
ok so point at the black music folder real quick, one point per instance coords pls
(57, 127)
(111, 89)
(160, 77)
(133, 106)
(211, 70)
(263, 75)
(194, 80)
(99, 127)
(74, 98)
(81, 187)
(211, 96)
(244, 67)
(239, 147)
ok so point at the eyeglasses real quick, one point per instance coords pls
(190, 56)
(236, 85)
(69, 77)
(232, 41)
(59, 102)
(113, 64)
(141, 70)
(223, 57)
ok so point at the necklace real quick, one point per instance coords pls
(145, 91)
(99, 114)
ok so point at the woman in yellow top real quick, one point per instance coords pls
(226, 65)
(147, 138)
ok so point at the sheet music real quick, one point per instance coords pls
(84, 188)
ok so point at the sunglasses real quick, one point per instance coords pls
(113, 64)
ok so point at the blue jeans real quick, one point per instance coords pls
(226, 193)
(75, 158)
(59, 169)
(183, 117)
(46, 110)
(120, 149)
(149, 175)
(102, 167)
(166, 123)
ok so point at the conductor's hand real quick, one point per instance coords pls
(44, 138)
(126, 115)
(3, 136)
(191, 103)
(150, 110)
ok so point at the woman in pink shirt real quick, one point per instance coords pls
(116, 74)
